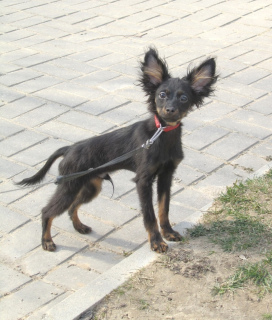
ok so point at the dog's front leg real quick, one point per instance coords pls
(164, 186)
(144, 188)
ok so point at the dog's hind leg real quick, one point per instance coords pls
(61, 201)
(87, 193)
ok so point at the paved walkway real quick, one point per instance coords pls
(68, 71)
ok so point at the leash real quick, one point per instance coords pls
(146, 145)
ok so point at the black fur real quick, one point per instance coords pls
(169, 99)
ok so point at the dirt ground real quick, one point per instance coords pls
(179, 286)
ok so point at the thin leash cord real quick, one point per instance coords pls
(68, 177)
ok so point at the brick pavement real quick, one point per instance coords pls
(68, 71)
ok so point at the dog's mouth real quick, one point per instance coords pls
(172, 120)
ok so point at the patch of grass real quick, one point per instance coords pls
(242, 216)
(258, 274)
(267, 316)
(143, 304)
(242, 219)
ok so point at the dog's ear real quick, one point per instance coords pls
(154, 71)
(202, 79)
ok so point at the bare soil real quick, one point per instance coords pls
(179, 286)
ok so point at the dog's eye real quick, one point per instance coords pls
(183, 98)
(162, 95)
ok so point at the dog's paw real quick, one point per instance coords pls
(172, 235)
(48, 245)
(158, 246)
(82, 228)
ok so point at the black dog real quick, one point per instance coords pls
(169, 100)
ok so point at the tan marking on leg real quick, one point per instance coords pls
(97, 182)
(47, 234)
(164, 221)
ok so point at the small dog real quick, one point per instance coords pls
(169, 100)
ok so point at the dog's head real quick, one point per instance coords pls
(172, 98)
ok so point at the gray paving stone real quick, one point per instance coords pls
(16, 55)
(96, 77)
(263, 149)
(264, 84)
(40, 152)
(126, 239)
(20, 141)
(216, 183)
(33, 203)
(208, 113)
(9, 168)
(249, 162)
(70, 276)
(244, 127)
(201, 138)
(15, 35)
(64, 131)
(8, 67)
(124, 113)
(80, 90)
(99, 229)
(11, 220)
(85, 121)
(179, 213)
(230, 146)
(28, 299)
(20, 106)
(131, 200)
(19, 76)
(102, 105)
(21, 241)
(61, 97)
(40, 313)
(187, 175)
(11, 279)
(41, 114)
(249, 75)
(107, 61)
(88, 55)
(96, 259)
(58, 72)
(254, 57)
(263, 105)
(9, 193)
(253, 118)
(109, 211)
(74, 65)
(9, 95)
(8, 129)
(241, 89)
(38, 84)
(117, 83)
(232, 98)
(40, 262)
(200, 161)
(191, 198)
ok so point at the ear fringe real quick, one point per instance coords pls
(151, 77)
(196, 74)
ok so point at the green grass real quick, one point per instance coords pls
(241, 220)
(258, 274)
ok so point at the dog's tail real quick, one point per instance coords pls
(38, 177)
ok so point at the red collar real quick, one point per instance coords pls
(165, 129)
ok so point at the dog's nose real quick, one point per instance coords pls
(170, 109)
